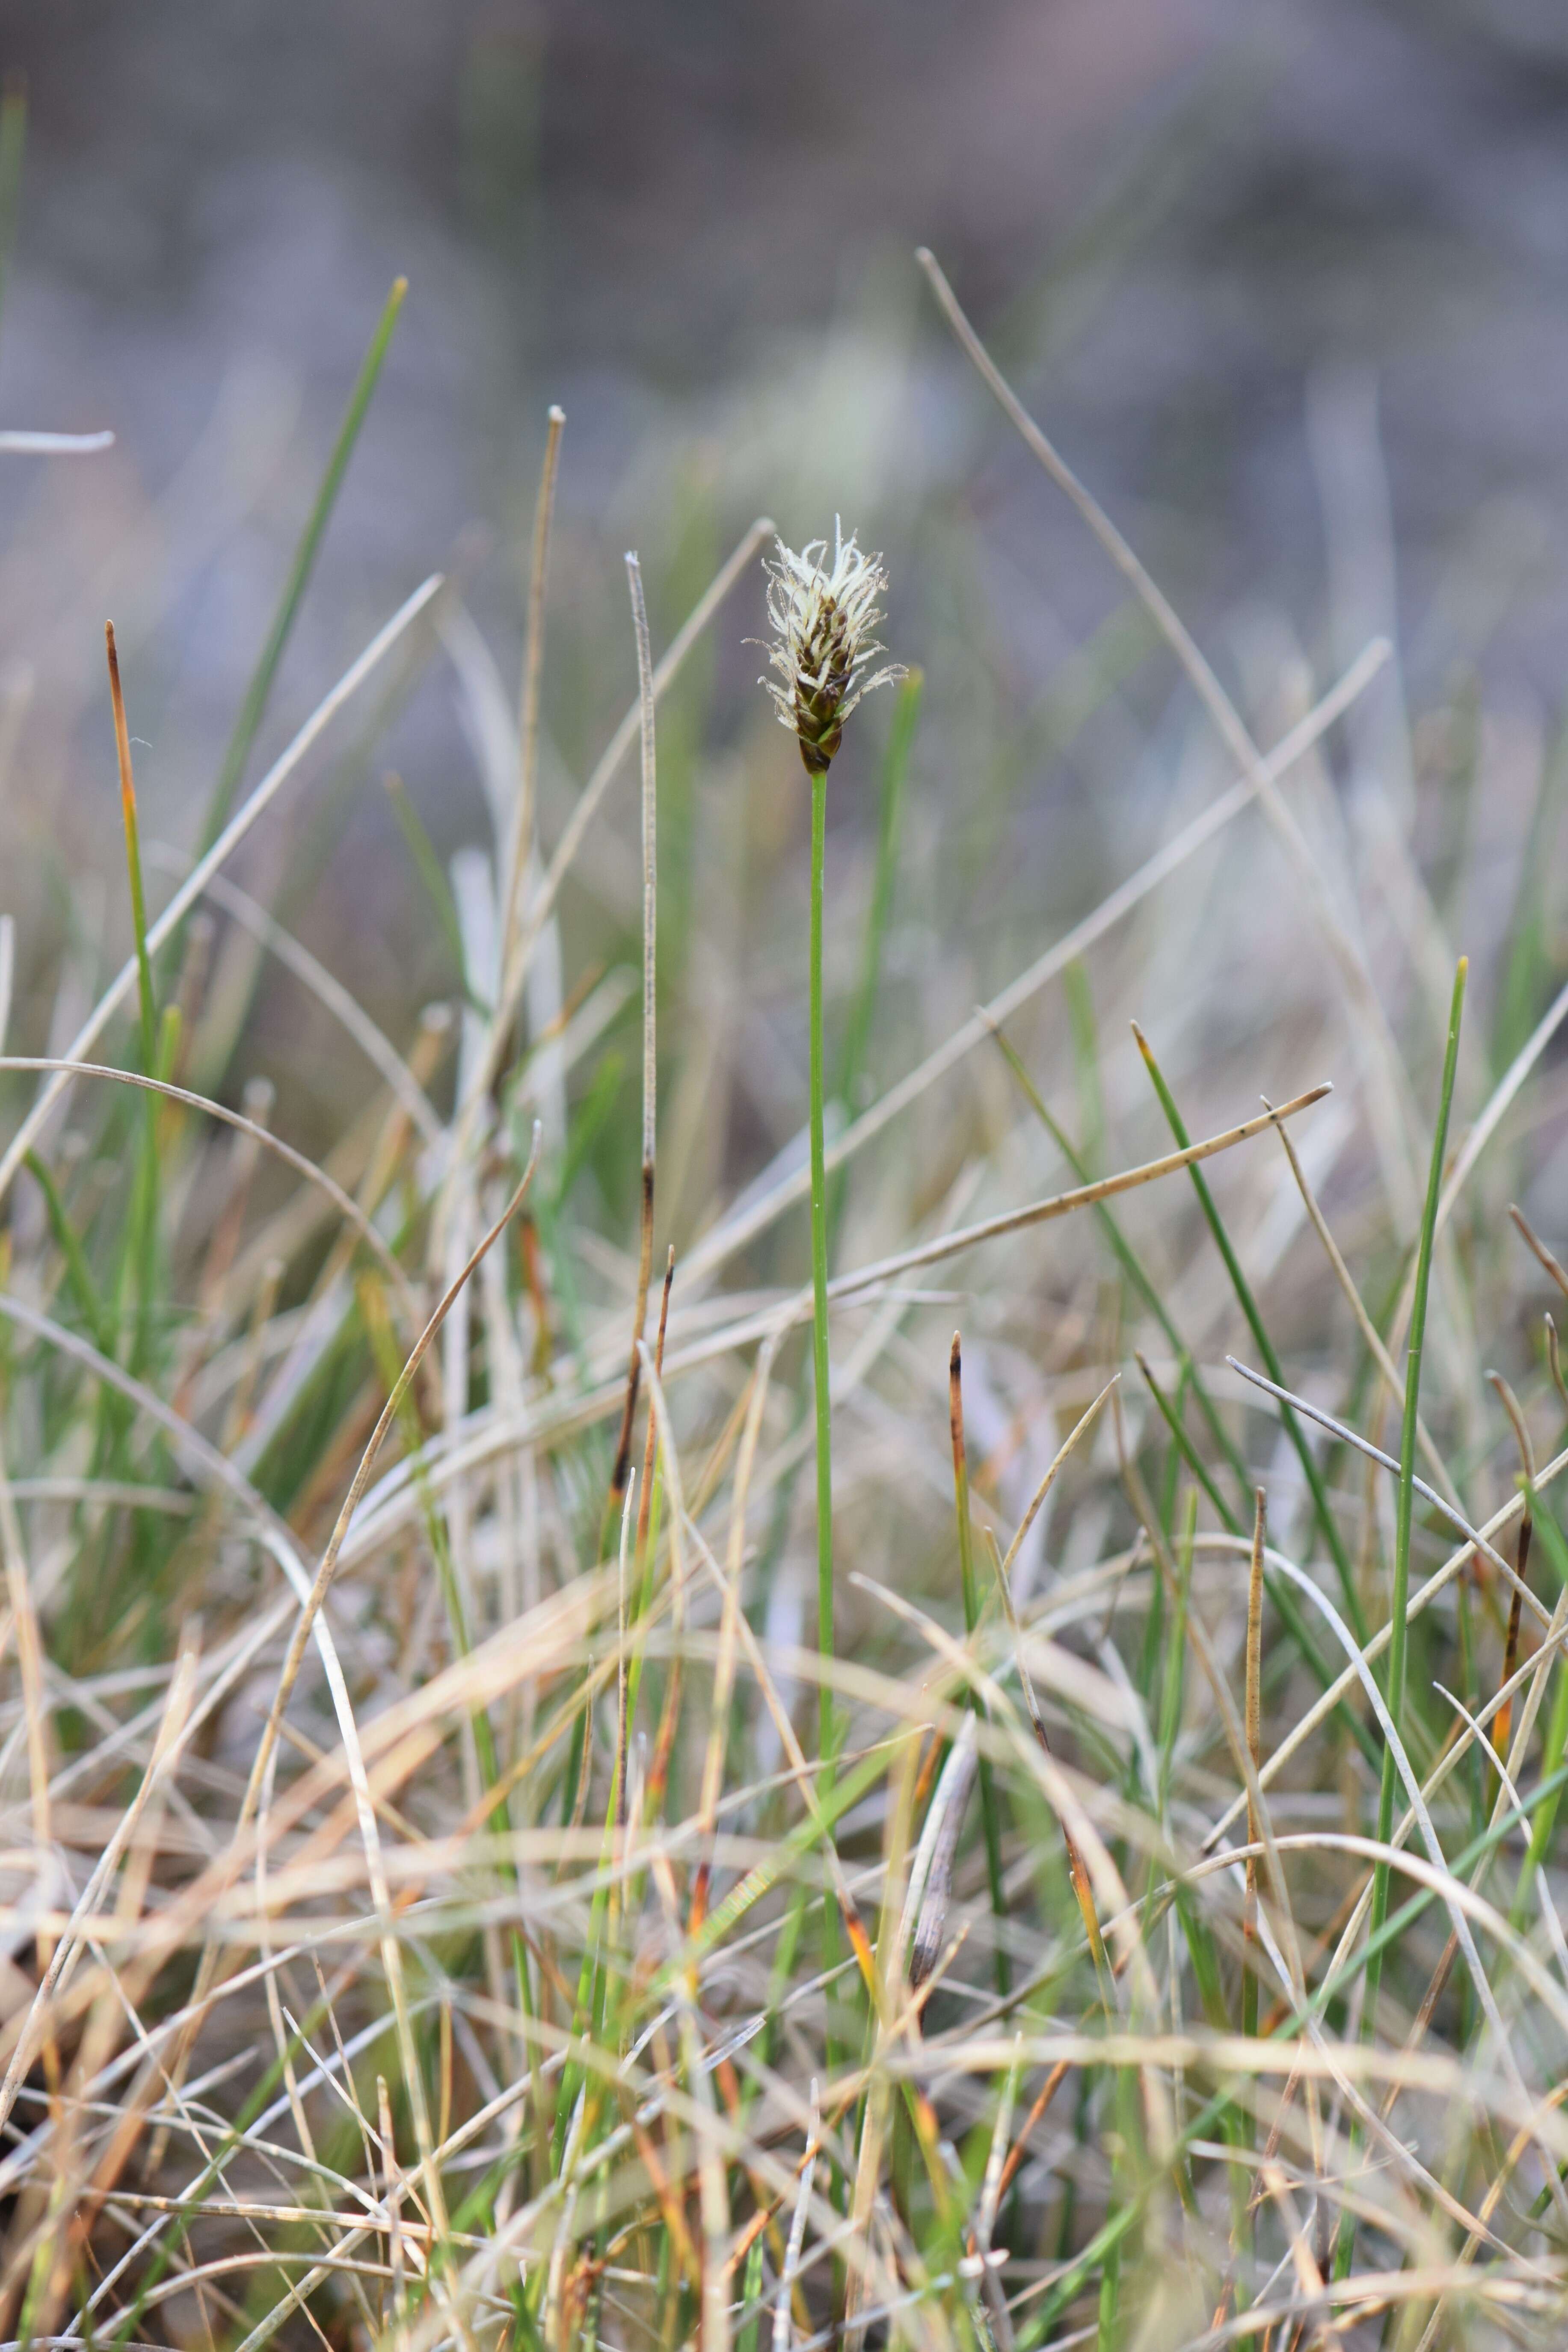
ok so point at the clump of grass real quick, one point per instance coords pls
(429, 1922)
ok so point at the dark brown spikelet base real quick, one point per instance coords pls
(817, 720)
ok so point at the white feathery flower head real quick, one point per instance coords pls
(822, 617)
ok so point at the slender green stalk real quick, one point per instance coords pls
(428, 865)
(148, 1004)
(858, 1034)
(819, 1274)
(257, 694)
(12, 146)
(1279, 1592)
(827, 1736)
(988, 1807)
(1175, 1679)
(142, 1227)
(1398, 1639)
(1556, 1737)
(79, 1274)
(1128, 1261)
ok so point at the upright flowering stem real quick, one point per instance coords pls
(819, 1274)
(823, 615)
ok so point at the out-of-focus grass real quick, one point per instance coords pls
(404, 1943)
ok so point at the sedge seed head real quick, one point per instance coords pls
(823, 614)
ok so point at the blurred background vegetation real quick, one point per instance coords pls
(1290, 283)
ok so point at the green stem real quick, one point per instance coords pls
(252, 709)
(1398, 1641)
(819, 1366)
(819, 1274)
(13, 141)
(1552, 1543)
(988, 1809)
(1249, 1304)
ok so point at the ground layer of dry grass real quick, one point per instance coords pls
(430, 1916)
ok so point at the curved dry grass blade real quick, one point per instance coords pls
(1538, 1247)
(325, 1572)
(1554, 1359)
(1502, 1095)
(1353, 1437)
(1421, 1601)
(347, 1207)
(1368, 1331)
(1080, 1429)
(328, 991)
(1388, 1098)
(1062, 1204)
(1459, 1900)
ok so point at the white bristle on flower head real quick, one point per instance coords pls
(822, 617)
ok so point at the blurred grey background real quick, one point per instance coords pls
(1288, 282)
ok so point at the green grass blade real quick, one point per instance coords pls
(428, 865)
(147, 1000)
(1530, 960)
(990, 1815)
(79, 1274)
(1086, 1058)
(1249, 1304)
(1398, 1644)
(257, 694)
(1556, 1739)
(1128, 1260)
(13, 148)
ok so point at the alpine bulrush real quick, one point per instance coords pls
(822, 617)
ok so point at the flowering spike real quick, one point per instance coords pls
(822, 617)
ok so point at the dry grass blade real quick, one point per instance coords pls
(783, 2332)
(521, 837)
(1387, 1095)
(347, 1207)
(389, 1411)
(1062, 1204)
(1539, 1250)
(1339, 1429)
(1254, 1706)
(1365, 1324)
